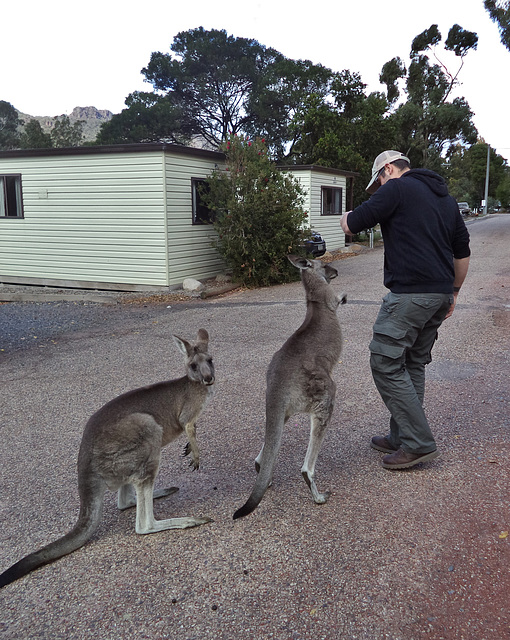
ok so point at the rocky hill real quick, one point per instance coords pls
(92, 120)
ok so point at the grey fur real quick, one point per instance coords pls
(121, 451)
(299, 379)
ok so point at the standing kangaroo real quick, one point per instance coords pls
(121, 451)
(299, 379)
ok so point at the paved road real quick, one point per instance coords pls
(397, 555)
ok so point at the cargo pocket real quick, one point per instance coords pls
(426, 303)
(388, 327)
(386, 358)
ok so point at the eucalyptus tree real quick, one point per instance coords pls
(477, 165)
(66, 133)
(346, 131)
(466, 172)
(427, 122)
(213, 85)
(9, 126)
(147, 118)
(499, 11)
(33, 136)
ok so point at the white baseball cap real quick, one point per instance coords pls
(386, 157)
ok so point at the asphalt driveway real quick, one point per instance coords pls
(393, 555)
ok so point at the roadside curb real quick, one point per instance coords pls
(57, 297)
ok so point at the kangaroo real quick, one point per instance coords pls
(121, 451)
(299, 379)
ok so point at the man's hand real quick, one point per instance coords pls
(450, 310)
(343, 223)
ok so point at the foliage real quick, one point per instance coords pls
(457, 174)
(65, 134)
(281, 93)
(477, 159)
(466, 173)
(346, 132)
(212, 84)
(33, 136)
(503, 191)
(391, 72)
(499, 11)
(9, 123)
(426, 123)
(258, 214)
(148, 118)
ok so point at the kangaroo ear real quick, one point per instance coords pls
(331, 272)
(299, 262)
(203, 336)
(184, 345)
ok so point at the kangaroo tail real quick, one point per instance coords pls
(274, 431)
(88, 522)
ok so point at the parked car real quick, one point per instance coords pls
(464, 208)
(316, 245)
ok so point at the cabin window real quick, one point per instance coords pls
(331, 201)
(201, 212)
(11, 204)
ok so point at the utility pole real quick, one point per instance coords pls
(485, 206)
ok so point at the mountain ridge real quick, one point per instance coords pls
(92, 119)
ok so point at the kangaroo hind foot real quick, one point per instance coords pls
(145, 521)
(318, 427)
(319, 498)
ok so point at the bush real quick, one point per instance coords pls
(258, 213)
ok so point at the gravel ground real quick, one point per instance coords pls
(392, 555)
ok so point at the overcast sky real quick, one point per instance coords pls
(56, 55)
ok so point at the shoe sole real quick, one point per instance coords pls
(407, 465)
(383, 449)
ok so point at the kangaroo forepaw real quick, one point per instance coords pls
(195, 461)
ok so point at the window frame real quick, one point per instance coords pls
(195, 204)
(6, 196)
(333, 189)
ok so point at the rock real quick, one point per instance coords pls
(223, 278)
(190, 284)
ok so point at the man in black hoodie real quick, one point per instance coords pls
(426, 258)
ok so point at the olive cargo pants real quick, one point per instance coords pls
(404, 333)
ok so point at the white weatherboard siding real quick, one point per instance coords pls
(122, 216)
(328, 226)
(312, 180)
(93, 218)
(190, 250)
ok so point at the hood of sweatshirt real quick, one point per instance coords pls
(434, 181)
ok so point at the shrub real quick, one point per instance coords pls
(258, 212)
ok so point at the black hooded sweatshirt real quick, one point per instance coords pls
(422, 229)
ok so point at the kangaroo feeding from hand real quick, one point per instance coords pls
(121, 451)
(299, 379)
